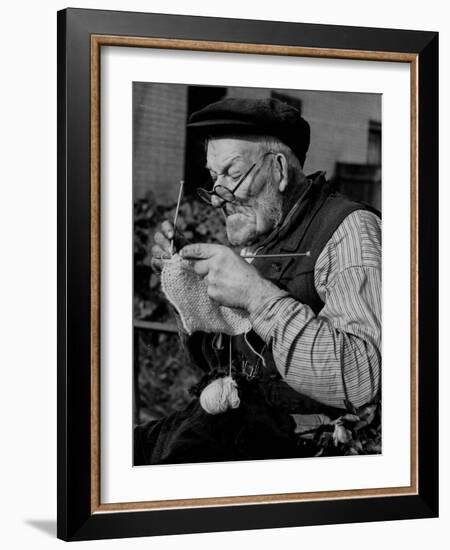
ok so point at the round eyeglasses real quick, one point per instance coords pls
(223, 193)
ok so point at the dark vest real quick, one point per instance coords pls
(316, 216)
(319, 214)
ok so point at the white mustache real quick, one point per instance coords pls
(235, 208)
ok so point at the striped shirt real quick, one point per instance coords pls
(334, 357)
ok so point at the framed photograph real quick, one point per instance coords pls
(247, 274)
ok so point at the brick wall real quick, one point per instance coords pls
(159, 119)
(339, 127)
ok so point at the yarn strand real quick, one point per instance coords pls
(254, 351)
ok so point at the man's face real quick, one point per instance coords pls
(258, 202)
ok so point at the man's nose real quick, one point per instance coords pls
(216, 201)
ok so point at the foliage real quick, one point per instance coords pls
(165, 376)
(353, 433)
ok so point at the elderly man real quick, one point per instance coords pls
(311, 288)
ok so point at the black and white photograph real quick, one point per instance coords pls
(257, 273)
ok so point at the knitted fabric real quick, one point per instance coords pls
(188, 293)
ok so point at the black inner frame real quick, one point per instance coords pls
(75, 521)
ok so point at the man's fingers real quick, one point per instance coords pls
(162, 241)
(167, 229)
(157, 264)
(163, 237)
(201, 267)
(159, 253)
(200, 251)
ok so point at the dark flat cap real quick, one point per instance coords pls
(269, 117)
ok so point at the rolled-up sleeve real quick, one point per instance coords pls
(333, 357)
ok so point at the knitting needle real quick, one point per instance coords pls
(180, 194)
(283, 255)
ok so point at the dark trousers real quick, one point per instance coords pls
(257, 429)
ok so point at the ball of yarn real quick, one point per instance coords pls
(220, 395)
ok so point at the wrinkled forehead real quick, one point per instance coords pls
(223, 148)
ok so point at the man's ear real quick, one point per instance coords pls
(281, 166)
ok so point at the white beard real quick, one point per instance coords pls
(246, 225)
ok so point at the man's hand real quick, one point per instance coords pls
(231, 280)
(161, 248)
